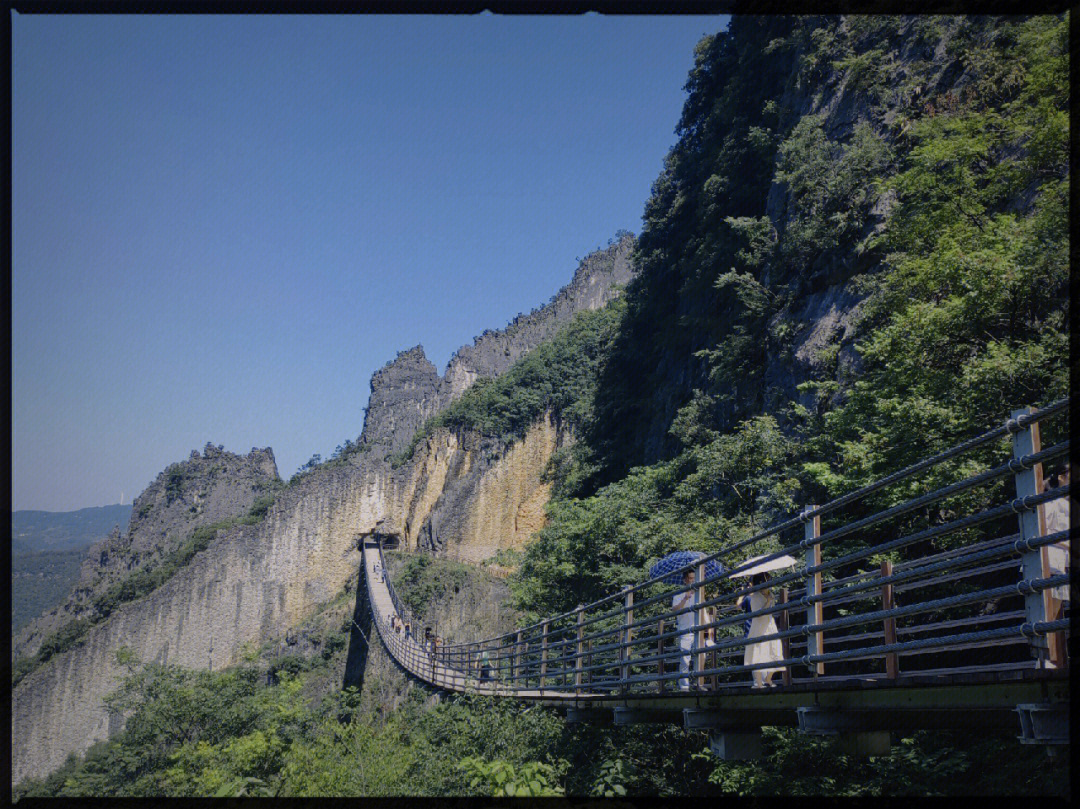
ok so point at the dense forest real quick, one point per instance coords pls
(940, 205)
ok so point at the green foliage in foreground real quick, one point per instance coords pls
(228, 733)
(135, 586)
(500, 779)
(558, 376)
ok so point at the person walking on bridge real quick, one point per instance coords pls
(763, 652)
(687, 622)
(1056, 513)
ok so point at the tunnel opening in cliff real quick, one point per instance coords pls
(389, 541)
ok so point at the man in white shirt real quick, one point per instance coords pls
(688, 623)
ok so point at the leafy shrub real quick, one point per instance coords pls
(501, 779)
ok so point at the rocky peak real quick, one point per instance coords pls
(595, 282)
(403, 396)
(207, 488)
(408, 390)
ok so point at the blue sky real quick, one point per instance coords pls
(223, 225)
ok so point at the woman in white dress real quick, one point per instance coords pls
(767, 651)
(1056, 513)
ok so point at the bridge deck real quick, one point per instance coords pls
(986, 698)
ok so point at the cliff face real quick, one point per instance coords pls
(459, 495)
(207, 488)
(766, 213)
(488, 497)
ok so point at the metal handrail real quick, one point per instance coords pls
(993, 474)
(566, 653)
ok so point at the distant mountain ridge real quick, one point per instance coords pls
(36, 531)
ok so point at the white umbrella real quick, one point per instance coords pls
(773, 564)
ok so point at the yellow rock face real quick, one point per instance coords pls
(509, 507)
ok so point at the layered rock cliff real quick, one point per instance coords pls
(408, 390)
(208, 488)
(460, 495)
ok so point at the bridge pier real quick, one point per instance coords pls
(855, 735)
(1044, 723)
(733, 746)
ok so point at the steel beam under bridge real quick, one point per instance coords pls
(970, 706)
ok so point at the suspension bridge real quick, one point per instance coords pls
(946, 610)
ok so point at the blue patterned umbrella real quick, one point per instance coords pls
(673, 561)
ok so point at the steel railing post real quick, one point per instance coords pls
(543, 654)
(1035, 563)
(580, 656)
(785, 643)
(699, 620)
(892, 660)
(624, 651)
(517, 660)
(811, 531)
(660, 652)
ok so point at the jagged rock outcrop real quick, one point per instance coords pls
(408, 390)
(207, 488)
(404, 394)
(495, 351)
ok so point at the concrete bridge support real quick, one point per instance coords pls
(1044, 723)
(853, 735)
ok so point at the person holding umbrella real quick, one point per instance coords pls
(687, 622)
(761, 625)
(669, 571)
(757, 570)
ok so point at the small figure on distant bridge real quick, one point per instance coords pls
(767, 651)
(378, 573)
(687, 622)
(485, 666)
